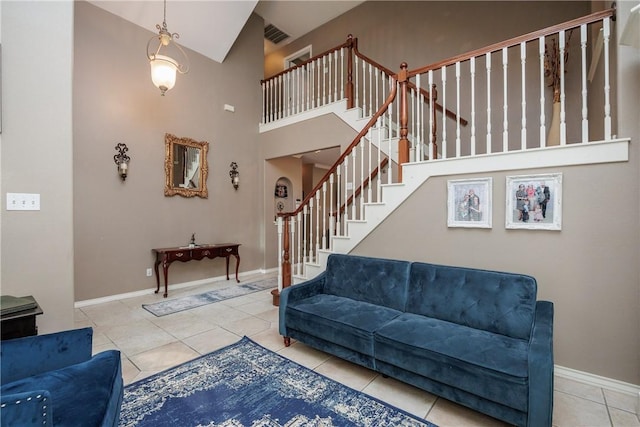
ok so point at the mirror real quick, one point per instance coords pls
(185, 167)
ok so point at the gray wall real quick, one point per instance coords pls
(118, 223)
(37, 246)
(589, 269)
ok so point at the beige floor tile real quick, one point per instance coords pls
(219, 313)
(304, 355)
(211, 340)
(574, 411)
(164, 357)
(184, 324)
(254, 307)
(620, 418)
(238, 301)
(139, 337)
(248, 326)
(269, 339)
(404, 396)
(578, 389)
(624, 401)
(129, 371)
(347, 373)
(448, 414)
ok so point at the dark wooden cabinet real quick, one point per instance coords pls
(166, 256)
(20, 324)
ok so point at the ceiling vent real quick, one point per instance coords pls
(274, 34)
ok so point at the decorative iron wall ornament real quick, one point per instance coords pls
(121, 159)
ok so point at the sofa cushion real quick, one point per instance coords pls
(377, 281)
(339, 320)
(503, 303)
(483, 363)
(79, 393)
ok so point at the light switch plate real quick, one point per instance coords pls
(23, 202)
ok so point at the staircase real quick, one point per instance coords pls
(399, 146)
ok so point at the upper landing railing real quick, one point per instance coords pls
(549, 87)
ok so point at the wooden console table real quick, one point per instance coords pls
(166, 256)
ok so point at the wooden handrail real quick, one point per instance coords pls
(354, 143)
(313, 58)
(364, 184)
(515, 41)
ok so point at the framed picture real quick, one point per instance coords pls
(469, 203)
(534, 202)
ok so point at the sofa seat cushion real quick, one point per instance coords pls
(339, 320)
(483, 363)
(79, 393)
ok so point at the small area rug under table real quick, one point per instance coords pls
(245, 384)
(175, 305)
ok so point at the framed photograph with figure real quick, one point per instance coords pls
(534, 202)
(469, 202)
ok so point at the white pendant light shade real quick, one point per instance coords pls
(163, 72)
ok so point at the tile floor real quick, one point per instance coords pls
(150, 344)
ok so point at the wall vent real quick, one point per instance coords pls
(274, 34)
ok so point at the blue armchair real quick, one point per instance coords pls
(53, 380)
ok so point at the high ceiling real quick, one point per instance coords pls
(210, 27)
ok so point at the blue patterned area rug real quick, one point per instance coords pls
(192, 301)
(245, 384)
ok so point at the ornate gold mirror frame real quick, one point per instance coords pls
(185, 167)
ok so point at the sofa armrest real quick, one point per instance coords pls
(541, 366)
(23, 357)
(26, 409)
(296, 293)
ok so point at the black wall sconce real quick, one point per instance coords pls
(234, 175)
(122, 160)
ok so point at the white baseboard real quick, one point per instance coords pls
(598, 381)
(85, 303)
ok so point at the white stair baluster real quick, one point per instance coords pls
(523, 62)
(356, 88)
(607, 88)
(472, 66)
(505, 104)
(543, 130)
(263, 119)
(488, 65)
(563, 124)
(330, 78)
(353, 183)
(299, 258)
(307, 83)
(342, 73)
(346, 194)
(338, 190)
(311, 227)
(318, 70)
(324, 215)
(366, 112)
(305, 228)
(370, 189)
(332, 220)
(380, 132)
(335, 76)
(418, 135)
(362, 178)
(458, 148)
(444, 116)
(324, 80)
(371, 112)
(318, 233)
(585, 110)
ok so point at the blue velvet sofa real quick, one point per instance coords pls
(475, 337)
(53, 380)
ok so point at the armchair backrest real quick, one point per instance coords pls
(22, 357)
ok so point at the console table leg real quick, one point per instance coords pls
(237, 266)
(155, 267)
(165, 270)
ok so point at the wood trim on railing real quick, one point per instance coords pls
(360, 188)
(354, 143)
(594, 17)
(313, 58)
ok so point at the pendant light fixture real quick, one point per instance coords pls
(163, 66)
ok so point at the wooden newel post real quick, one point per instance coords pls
(350, 44)
(286, 256)
(403, 144)
(434, 124)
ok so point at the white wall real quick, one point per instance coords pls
(36, 155)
